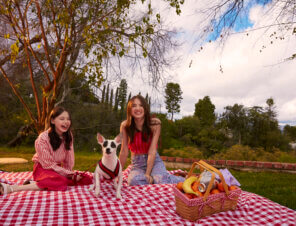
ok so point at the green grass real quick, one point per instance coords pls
(83, 160)
(278, 187)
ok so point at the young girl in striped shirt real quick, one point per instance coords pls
(140, 134)
(54, 158)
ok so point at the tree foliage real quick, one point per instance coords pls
(236, 120)
(53, 39)
(122, 94)
(205, 111)
(173, 96)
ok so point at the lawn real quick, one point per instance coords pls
(278, 187)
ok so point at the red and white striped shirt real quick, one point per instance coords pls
(138, 146)
(60, 160)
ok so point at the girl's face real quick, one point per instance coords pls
(137, 109)
(62, 123)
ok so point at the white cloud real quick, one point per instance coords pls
(251, 74)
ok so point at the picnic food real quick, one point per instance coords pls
(193, 207)
(220, 187)
(179, 186)
(232, 187)
(194, 186)
(214, 191)
(187, 185)
(205, 178)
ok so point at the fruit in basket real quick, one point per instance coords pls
(220, 187)
(215, 191)
(187, 185)
(179, 185)
(232, 187)
(199, 193)
(194, 186)
(190, 196)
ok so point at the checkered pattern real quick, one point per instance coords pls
(140, 205)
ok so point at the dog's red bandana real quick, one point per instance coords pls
(112, 174)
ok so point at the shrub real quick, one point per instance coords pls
(240, 152)
(237, 152)
(186, 152)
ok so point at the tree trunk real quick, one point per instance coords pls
(21, 134)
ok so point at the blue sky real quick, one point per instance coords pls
(253, 68)
(242, 22)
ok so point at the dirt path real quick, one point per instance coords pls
(12, 160)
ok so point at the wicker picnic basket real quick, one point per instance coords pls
(194, 209)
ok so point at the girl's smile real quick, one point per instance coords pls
(62, 123)
(137, 109)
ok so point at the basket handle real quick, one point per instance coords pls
(203, 165)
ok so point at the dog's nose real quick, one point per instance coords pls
(108, 151)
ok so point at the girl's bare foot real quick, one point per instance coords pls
(5, 189)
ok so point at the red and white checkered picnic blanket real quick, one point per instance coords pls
(140, 205)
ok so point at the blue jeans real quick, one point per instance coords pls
(158, 173)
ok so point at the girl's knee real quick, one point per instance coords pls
(137, 179)
(166, 179)
(158, 179)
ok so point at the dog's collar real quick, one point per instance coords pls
(110, 173)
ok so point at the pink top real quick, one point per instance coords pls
(60, 160)
(138, 146)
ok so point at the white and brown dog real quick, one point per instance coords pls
(109, 166)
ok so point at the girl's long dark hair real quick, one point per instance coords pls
(54, 138)
(131, 126)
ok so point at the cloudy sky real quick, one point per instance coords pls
(253, 63)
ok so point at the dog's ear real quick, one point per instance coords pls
(100, 138)
(118, 138)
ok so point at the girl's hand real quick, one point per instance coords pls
(76, 177)
(149, 179)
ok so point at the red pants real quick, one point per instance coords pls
(50, 180)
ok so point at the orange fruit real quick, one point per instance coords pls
(232, 187)
(194, 186)
(179, 186)
(215, 191)
(190, 196)
(199, 193)
(196, 196)
(220, 187)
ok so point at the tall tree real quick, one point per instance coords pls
(270, 109)
(122, 93)
(111, 99)
(107, 94)
(147, 98)
(129, 97)
(53, 39)
(205, 111)
(103, 94)
(173, 96)
(290, 132)
(235, 118)
(116, 100)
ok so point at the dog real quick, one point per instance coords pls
(109, 166)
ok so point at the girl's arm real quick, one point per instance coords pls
(124, 146)
(43, 150)
(70, 159)
(156, 128)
